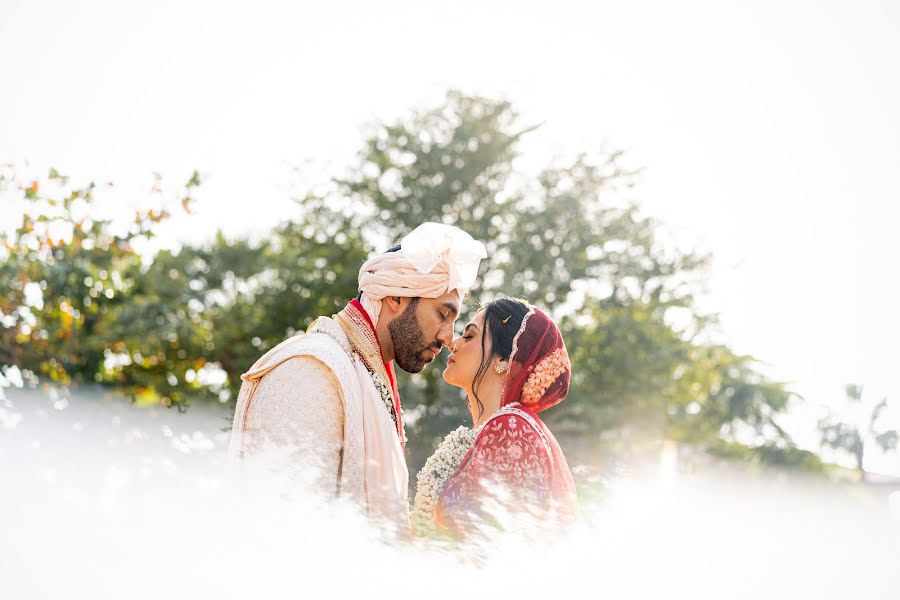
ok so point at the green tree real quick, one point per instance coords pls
(205, 314)
(187, 324)
(564, 239)
(80, 304)
(855, 438)
(63, 270)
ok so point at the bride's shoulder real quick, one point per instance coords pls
(512, 424)
(512, 416)
(510, 443)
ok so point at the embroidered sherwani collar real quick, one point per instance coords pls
(360, 331)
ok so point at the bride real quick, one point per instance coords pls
(508, 469)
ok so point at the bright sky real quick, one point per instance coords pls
(769, 130)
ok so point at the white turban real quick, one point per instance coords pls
(433, 259)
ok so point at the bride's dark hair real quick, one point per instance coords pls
(502, 319)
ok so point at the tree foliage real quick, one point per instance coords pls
(567, 237)
(856, 437)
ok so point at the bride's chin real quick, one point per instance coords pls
(449, 379)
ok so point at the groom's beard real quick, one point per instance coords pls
(411, 351)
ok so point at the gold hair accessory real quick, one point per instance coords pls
(507, 319)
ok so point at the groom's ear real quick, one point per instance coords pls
(394, 304)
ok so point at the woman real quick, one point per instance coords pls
(512, 364)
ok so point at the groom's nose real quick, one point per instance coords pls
(445, 335)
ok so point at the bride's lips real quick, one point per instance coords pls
(450, 360)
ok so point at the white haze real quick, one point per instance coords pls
(102, 499)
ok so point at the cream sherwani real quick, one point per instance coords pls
(326, 399)
(313, 395)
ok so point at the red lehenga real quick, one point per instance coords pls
(515, 467)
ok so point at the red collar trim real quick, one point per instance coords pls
(388, 365)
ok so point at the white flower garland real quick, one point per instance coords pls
(387, 396)
(434, 475)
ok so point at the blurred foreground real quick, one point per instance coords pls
(105, 499)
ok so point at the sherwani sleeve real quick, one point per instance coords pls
(297, 414)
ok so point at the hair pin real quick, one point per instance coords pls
(506, 320)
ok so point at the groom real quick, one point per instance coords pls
(329, 399)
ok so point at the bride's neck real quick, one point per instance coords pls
(489, 393)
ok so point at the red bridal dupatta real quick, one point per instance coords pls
(515, 467)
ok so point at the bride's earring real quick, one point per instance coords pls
(500, 368)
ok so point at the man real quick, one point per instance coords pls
(330, 396)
